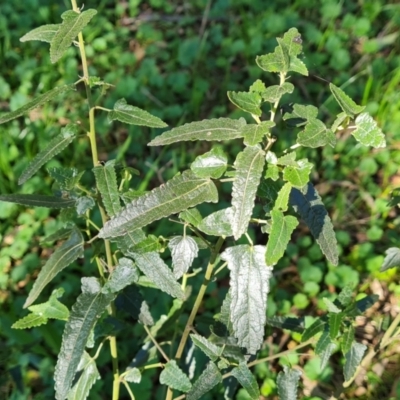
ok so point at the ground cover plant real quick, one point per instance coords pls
(277, 178)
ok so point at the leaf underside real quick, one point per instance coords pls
(44, 33)
(247, 380)
(38, 200)
(287, 383)
(174, 377)
(209, 378)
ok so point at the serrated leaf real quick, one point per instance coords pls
(38, 200)
(344, 101)
(29, 321)
(296, 65)
(323, 342)
(106, 180)
(124, 274)
(38, 101)
(211, 350)
(347, 339)
(249, 286)
(151, 243)
(133, 115)
(130, 300)
(225, 315)
(353, 359)
(60, 234)
(307, 203)
(181, 192)
(247, 380)
(88, 375)
(211, 164)
(183, 251)
(272, 172)
(246, 101)
(273, 93)
(331, 306)
(66, 178)
(287, 159)
(258, 87)
(44, 33)
(254, 133)
(72, 24)
(346, 294)
(83, 204)
(392, 259)
(278, 61)
(367, 131)
(326, 355)
(290, 323)
(52, 309)
(335, 321)
(134, 375)
(249, 165)
(316, 327)
(298, 175)
(282, 228)
(56, 145)
(66, 254)
(315, 134)
(303, 112)
(208, 129)
(287, 383)
(89, 306)
(218, 223)
(293, 42)
(366, 302)
(174, 377)
(338, 121)
(282, 200)
(209, 378)
(191, 216)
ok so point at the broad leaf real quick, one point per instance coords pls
(367, 131)
(254, 133)
(307, 203)
(282, 201)
(344, 101)
(174, 377)
(298, 175)
(288, 159)
(298, 66)
(303, 112)
(273, 93)
(278, 61)
(249, 165)
(211, 350)
(29, 321)
(282, 228)
(84, 204)
(52, 309)
(191, 216)
(38, 101)
(258, 87)
(211, 164)
(335, 321)
(316, 134)
(133, 115)
(292, 41)
(134, 375)
(208, 129)
(288, 381)
(106, 180)
(183, 251)
(72, 25)
(249, 286)
(353, 359)
(181, 192)
(38, 200)
(124, 274)
(347, 339)
(247, 101)
(392, 259)
(44, 33)
(66, 254)
(272, 172)
(209, 378)
(326, 355)
(247, 380)
(89, 306)
(218, 223)
(290, 323)
(151, 243)
(316, 327)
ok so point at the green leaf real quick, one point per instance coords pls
(209, 378)
(317, 326)
(335, 321)
(298, 66)
(278, 61)
(133, 115)
(282, 228)
(60, 234)
(298, 175)
(272, 172)
(38, 200)
(338, 121)
(347, 339)
(59, 143)
(29, 321)
(44, 33)
(211, 164)
(307, 203)
(323, 342)
(366, 302)
(210, 349)
(208, 129)
(181, 192)
(316, 134)
(191, 216)
(38, 101)
(254, 133)
(303, 112)
(282, 201)
(292, 41)
(367, 131)
(249, 286)
(331, 306)
(273, 93)
(183, 251)
(344, 101)
(247, 380)
(124, 274)
(72, 25)
(66, 178)
(249, 165)
(218, 223)
(287, 382)
(246, 101)
(88, 375)
(89, 306)
(66, 254)
(290, 323)
(346, 294)
(287, 159)
(258, 87)
(52, 308)
(84, 204)
(151, 243)
(392, 259)
(174, 377)
(353, 359)
(134, 375)
(225, 315)
(326, 355)
(106, 180)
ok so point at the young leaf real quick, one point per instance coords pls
(38, 200)
(367, 131)
(249, 286)
(316, 327)
(72, 24)
(89, 306)
(331, 306)
(211, 164)
(134, 375)
(344, 101)
(249, 165)
(183, 251)
(181, 192)
(88, 375)
(247, 380)
(298, 175)
(132, 115)
(296, 65)
(106, 180)
(278, 61)
(44, 33)
(29, 321)
(66, 254)
(347, 339)
(124, 274)
(323, 342)
(288, 159)
(247, 101)
(282, 201)
(273, 93)
(346, 294)
(59, 143)
(258, 87)
(282, 228)
(211, 350)
(353, 359)
(316, 134)
(38, 101)
(151, 243)
(335, 321)
(292, 41)
(52, 308)
(288, 381)
(66, 178)
(208, 129)
(307, 203)
(290, 323)
(218, 223)
(392, 259)
(209, 378)
(326, 355)
(174, 377)
(84, 204)
(338, 121)
(272, 172)
(301, 111)
(191, 216)
(254, 133)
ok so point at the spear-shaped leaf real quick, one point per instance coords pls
(247, 101)
(210, 349)
(211, 164)
(209, 378)
(184, 250)
(353, 359)
(278, 61)
(367, 131)
(392, 259)
(29, 321)
(208, 129)
(174, 377)
(181, 192)
(282, 200)
(317, 326)
(44, 33)
(249, 166)
(288, 381)
(38, 200)
(52, 308)
(345, 102)
(247, 380)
